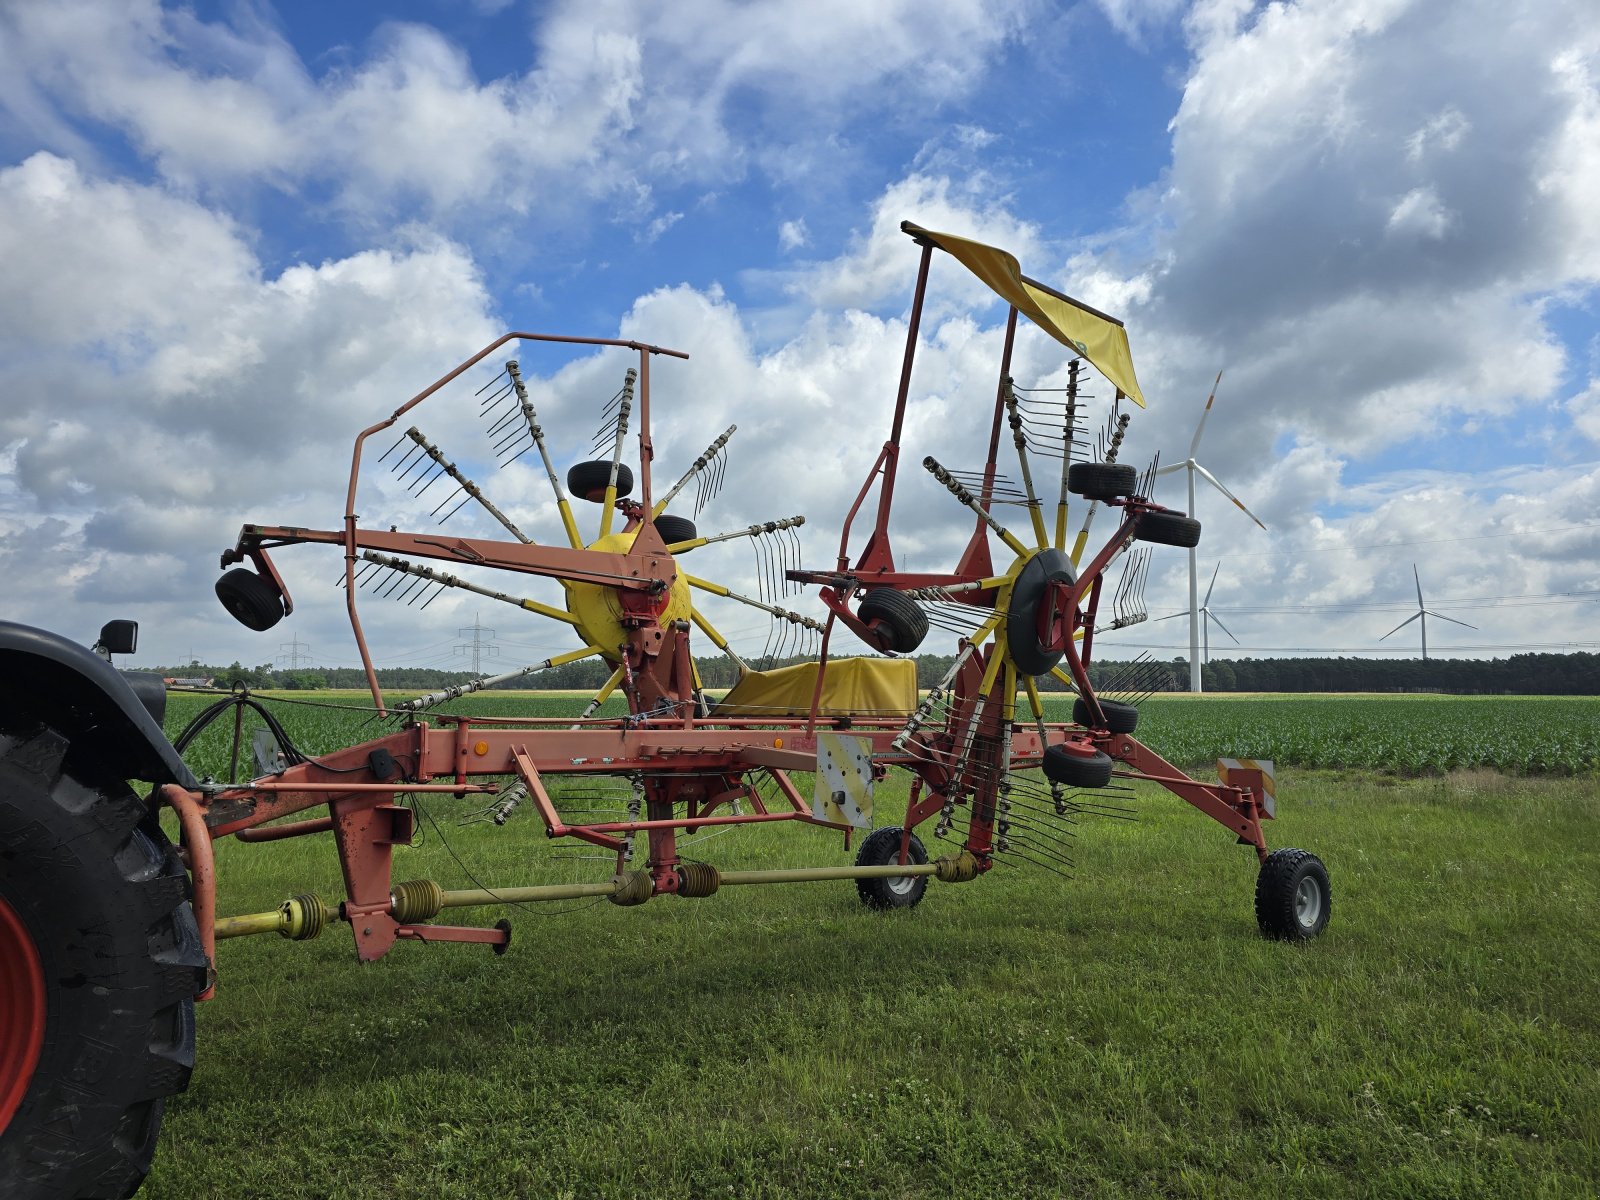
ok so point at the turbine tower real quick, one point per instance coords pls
(1192, 468)
(1422, 614)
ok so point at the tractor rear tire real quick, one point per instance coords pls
(1084, 768)
(588, 480)
(250, 600)
(1120, 718)
(1293, 897)
(882, 847)
(1167, 529)
(1101, 480)
(897, 615)
(100, 961)
(675, 529)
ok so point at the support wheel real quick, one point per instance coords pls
(251, 600)
(882, 847)
(1101, 480)
(588, 480)
(1167, 529)
(1293, 898)
(1075, 765)
(1120, 718)
(898, 617)
(99, 964)
(675, 529)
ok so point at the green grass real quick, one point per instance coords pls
(1122, 1034)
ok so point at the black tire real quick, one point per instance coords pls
(880, 848)
(675, 529)
(898, 617)
(1167, 529)
(1077, 769)
(97, 889)
(1293, 897)
(1120, 718)
(250, 600)
(1031, 655)
(1101, 481)
(588, 480)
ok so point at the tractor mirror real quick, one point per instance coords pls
(118, 637)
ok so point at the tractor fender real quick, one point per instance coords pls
(44, 678)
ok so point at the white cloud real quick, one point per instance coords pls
(616, 94)
(1420, 214)
(792, 234)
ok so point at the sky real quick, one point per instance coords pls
(234, 235)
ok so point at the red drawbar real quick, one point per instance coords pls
(22, 1011)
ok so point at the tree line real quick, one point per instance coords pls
(1576, 674)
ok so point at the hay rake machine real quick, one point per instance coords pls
(998, 782)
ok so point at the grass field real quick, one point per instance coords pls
(1125, 1033)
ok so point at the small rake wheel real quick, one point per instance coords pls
(589, 480)
(675, 529)
(1075, 765)
(899, 617)
(1168, 529)
(1120, 718)
(882, 847)
(250, 599)
(1101, 481)
(1293, 896)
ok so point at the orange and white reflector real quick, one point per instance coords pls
(1254, 775)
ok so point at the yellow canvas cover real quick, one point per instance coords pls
(885, 686)
(1099, 338)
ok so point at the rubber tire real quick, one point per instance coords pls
(250, 600)
(880, 848)
(1091, 770)
(1120, 718)
(1101, 480)
(588, 480)
(1030, 655)
(898, 616)
(106, 901)
(1279, 881)
(675, 529)
(1167, 529)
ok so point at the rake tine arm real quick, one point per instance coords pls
(700, 464)
(466, 485)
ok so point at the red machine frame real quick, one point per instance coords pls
(693, 767)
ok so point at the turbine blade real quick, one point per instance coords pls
(1212, 584)
(1169, 616)
(1402, 625)
(1221, 626)
(1217, 483)
(1442, 617)
(1201, 428)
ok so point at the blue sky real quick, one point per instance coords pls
(235, 234)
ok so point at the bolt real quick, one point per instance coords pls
(367, 932)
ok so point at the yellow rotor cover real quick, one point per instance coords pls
(598, 608)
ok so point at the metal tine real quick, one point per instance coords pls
(707, 456)
(391, 449)
(464, 484)
(614, 414)
(495, 378)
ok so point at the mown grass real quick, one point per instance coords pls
(1122, 1034)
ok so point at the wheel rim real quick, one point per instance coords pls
(1307, 903)
(22, 1010)
(901, 885)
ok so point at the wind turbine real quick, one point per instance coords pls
(1422, 614)
(1193, 468)
(1206, 616)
